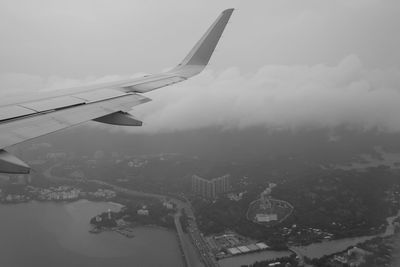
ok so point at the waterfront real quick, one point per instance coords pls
(315, 250)
(61, 229)
(56, 234)
(246, 259)
(318, 250)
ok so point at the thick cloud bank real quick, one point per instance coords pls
(280, 97)
(276, 97)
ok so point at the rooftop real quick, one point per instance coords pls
(207, 178)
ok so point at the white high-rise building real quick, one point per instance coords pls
(210, 188)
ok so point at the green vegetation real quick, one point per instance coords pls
(338, 203)
(104, 220)
(158, 215)
(225, 214)
(345, 203)
(377, 253)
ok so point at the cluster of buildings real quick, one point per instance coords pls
(52, 193)
(168, 205)
(235, 196)
(353, 257)
(20, 179)
(210, 188)
(56, 155)
(143, 211)
(64, 193)
(60, 193)
(137, 163)
(55, 193)
(393, 195)
(231, 244)
(15, 198)
(298, 235)
(101, 193)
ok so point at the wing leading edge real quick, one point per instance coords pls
(107, 103)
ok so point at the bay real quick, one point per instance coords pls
(56, 234)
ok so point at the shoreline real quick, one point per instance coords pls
(64, 201)
(301, 249)
(62, 229)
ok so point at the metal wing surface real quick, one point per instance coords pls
(31, 117)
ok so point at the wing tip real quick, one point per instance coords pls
(204, 48)
(228, 11)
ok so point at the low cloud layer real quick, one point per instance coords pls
(280, 97)
(275, 97)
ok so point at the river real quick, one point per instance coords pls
(247, 259)
(56, 234)
(316, 250)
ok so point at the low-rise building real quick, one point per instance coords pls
(262, 245)
(234, 251)
(168, 205)
(261, 217)
(253, 247)
(143, 211)
(243, 249)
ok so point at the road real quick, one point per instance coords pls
(201, 245)
(181, 239)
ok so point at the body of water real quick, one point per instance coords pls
(247, 259)
(318, 250)
(56, 234)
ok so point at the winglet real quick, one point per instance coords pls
(201, 53)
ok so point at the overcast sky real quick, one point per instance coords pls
(280, 63)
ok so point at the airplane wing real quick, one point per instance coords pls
(107, 103)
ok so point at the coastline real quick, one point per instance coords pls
(301, 249)
(61, 230)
